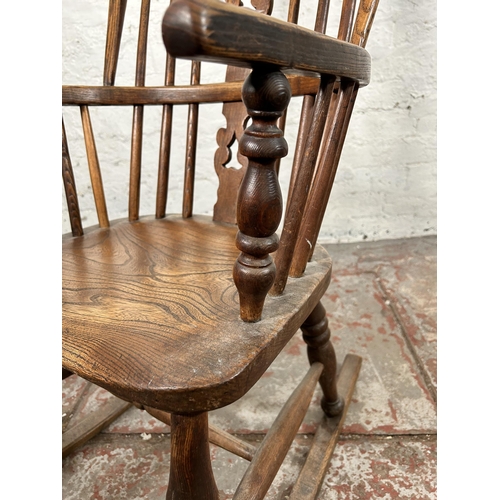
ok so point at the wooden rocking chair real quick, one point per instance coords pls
(182, 314)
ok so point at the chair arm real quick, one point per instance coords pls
(211, 30)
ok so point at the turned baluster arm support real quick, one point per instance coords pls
(214, 31)
(266, 94)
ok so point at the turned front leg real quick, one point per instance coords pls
(191, 476)
(316, 334)
(266, 94)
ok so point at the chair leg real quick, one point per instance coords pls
(316, 334)
(191, 475)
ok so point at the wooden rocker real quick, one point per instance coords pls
(181, 314)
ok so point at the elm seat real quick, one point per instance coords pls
(162, 290)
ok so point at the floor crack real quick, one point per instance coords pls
(406, 337)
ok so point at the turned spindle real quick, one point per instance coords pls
(266, 94)
(316, 334)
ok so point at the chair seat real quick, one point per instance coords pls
(150, 313)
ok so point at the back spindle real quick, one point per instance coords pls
(116, 16)
(301, 185)
(94, 168)
(191, 140)
(332, 148)
(308, 100)
(313, 117)
(347, 16)
(138, 116)
(292, 17)
(323, 181)
(346, 19)
(165, 144)
(70, 188)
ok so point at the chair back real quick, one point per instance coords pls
(326, 109)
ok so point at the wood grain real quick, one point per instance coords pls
(266, 95)
(322, 16)
(135, 163)
(191, 140)
(323, 181)
(165, 143)
(306, 114)
(70, 188)
(94, 168)
(116, 16)
(364, 21)
(230, 178)
(150, 313)
(338, 122)
(191, 476)
(153, 306)
(138, 116)
(301, 186)
(305, 119)
(346, 19)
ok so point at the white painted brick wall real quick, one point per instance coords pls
(386, 182)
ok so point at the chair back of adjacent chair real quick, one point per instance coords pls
(326, 110)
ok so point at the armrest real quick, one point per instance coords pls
(211, 30)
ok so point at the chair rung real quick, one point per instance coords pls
(215, 435)
(92, 425)
(326, 437)
(274, 447)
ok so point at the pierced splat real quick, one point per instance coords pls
(228, 138)
(229, 177)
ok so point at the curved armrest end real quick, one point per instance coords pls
(211, 30)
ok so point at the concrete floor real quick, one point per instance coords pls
(381, 304)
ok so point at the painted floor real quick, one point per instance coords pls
(381, 305)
